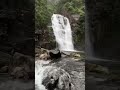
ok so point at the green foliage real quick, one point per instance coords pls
(45, 9)
(72, 6)
(80, 32)
(43, 13)
(76, 7)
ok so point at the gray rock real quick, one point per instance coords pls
(55, 54)
(21, 66)
(64, 74)
(57, 79)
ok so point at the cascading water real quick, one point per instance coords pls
(39, 74)
(63, 35)
(62, 32)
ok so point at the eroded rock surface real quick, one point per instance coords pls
(62, 74)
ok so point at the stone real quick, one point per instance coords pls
(44, 56)
(55, 54)
(19, 72)
(22, 66)
(64, 74)
(57, 79)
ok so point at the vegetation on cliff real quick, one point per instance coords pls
(72, 9)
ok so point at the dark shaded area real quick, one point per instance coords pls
(17, 26)
(16, 36)
(104, 24)
(55, 54)
(102, 44)
(50, 86)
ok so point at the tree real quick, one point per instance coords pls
(43, 12)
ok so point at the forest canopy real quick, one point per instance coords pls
(45, 8)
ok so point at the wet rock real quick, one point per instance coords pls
(66, 53)
(42, 50)
(22, 66)
(76, 70)
(42, 53)
(57, 79)
(76, 55)
(55, 54)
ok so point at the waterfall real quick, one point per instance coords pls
(62, 31)
(63, 36)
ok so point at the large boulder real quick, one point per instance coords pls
(55, 54)
(57, 79)
(22, 66)
(64, 74)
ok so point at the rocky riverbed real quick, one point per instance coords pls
(65, 73)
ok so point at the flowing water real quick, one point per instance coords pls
(63, 35)
(39, 71)
(62, 31)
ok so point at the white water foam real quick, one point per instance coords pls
(62, 31)
(39, 74)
